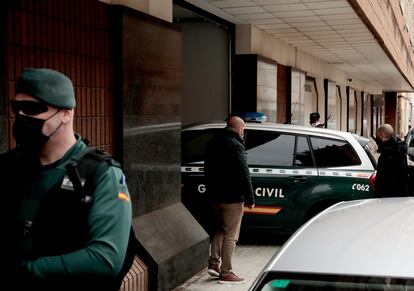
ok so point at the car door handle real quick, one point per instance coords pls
(298, 179)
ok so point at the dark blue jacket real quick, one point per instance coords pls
(227, 173)
(392, 171)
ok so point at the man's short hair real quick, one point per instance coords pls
(387, 130)
(48, 86)
(314, 116)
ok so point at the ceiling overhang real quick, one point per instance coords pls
(329, 30)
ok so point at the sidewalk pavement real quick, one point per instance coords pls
(248, 261)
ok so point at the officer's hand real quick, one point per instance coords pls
(251, 206)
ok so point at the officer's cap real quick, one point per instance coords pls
(49, 86)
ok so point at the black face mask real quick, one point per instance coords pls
(28, 133)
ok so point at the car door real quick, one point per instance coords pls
(283, 173)
(193, 188)
(341, 173)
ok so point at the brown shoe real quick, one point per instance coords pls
(213, 270)
(230, 278)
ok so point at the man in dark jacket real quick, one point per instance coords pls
(228, 186)
(392, 170)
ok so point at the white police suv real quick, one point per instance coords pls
(296, 172)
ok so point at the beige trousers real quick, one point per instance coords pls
(229, 217)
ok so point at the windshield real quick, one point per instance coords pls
(277, 281)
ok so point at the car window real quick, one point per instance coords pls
(267, 148)
(273, 282)
(193, 145)
(373, 157)
(333, 153)
(303, 157)
(409, 139)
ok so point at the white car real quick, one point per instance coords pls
(354, 245)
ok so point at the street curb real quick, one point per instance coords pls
(193, 280)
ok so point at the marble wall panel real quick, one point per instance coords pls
(151, 68)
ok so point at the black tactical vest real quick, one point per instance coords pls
(61, 223)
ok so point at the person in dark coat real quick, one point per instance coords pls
(392, 171)
(228, 187)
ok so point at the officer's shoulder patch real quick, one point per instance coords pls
(123, 196)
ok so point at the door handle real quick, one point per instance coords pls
(298, 179)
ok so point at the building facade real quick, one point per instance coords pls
(335, 57)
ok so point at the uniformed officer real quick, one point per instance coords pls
(54, 241)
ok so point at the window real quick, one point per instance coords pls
(267, 88)
(267, 148)
(297, 98)
(338, 108)
(311, 98)
(297, 281)
(333, 153)
(331, 118)
(374, 116)
(352, 111)
(364, 105)
(303, 156)
(193, 145)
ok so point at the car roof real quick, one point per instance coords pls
(283, 127)
(372, 237)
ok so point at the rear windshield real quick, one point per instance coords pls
(277, 281)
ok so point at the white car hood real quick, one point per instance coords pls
(364, 237)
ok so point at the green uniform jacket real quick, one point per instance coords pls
(96, 255)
